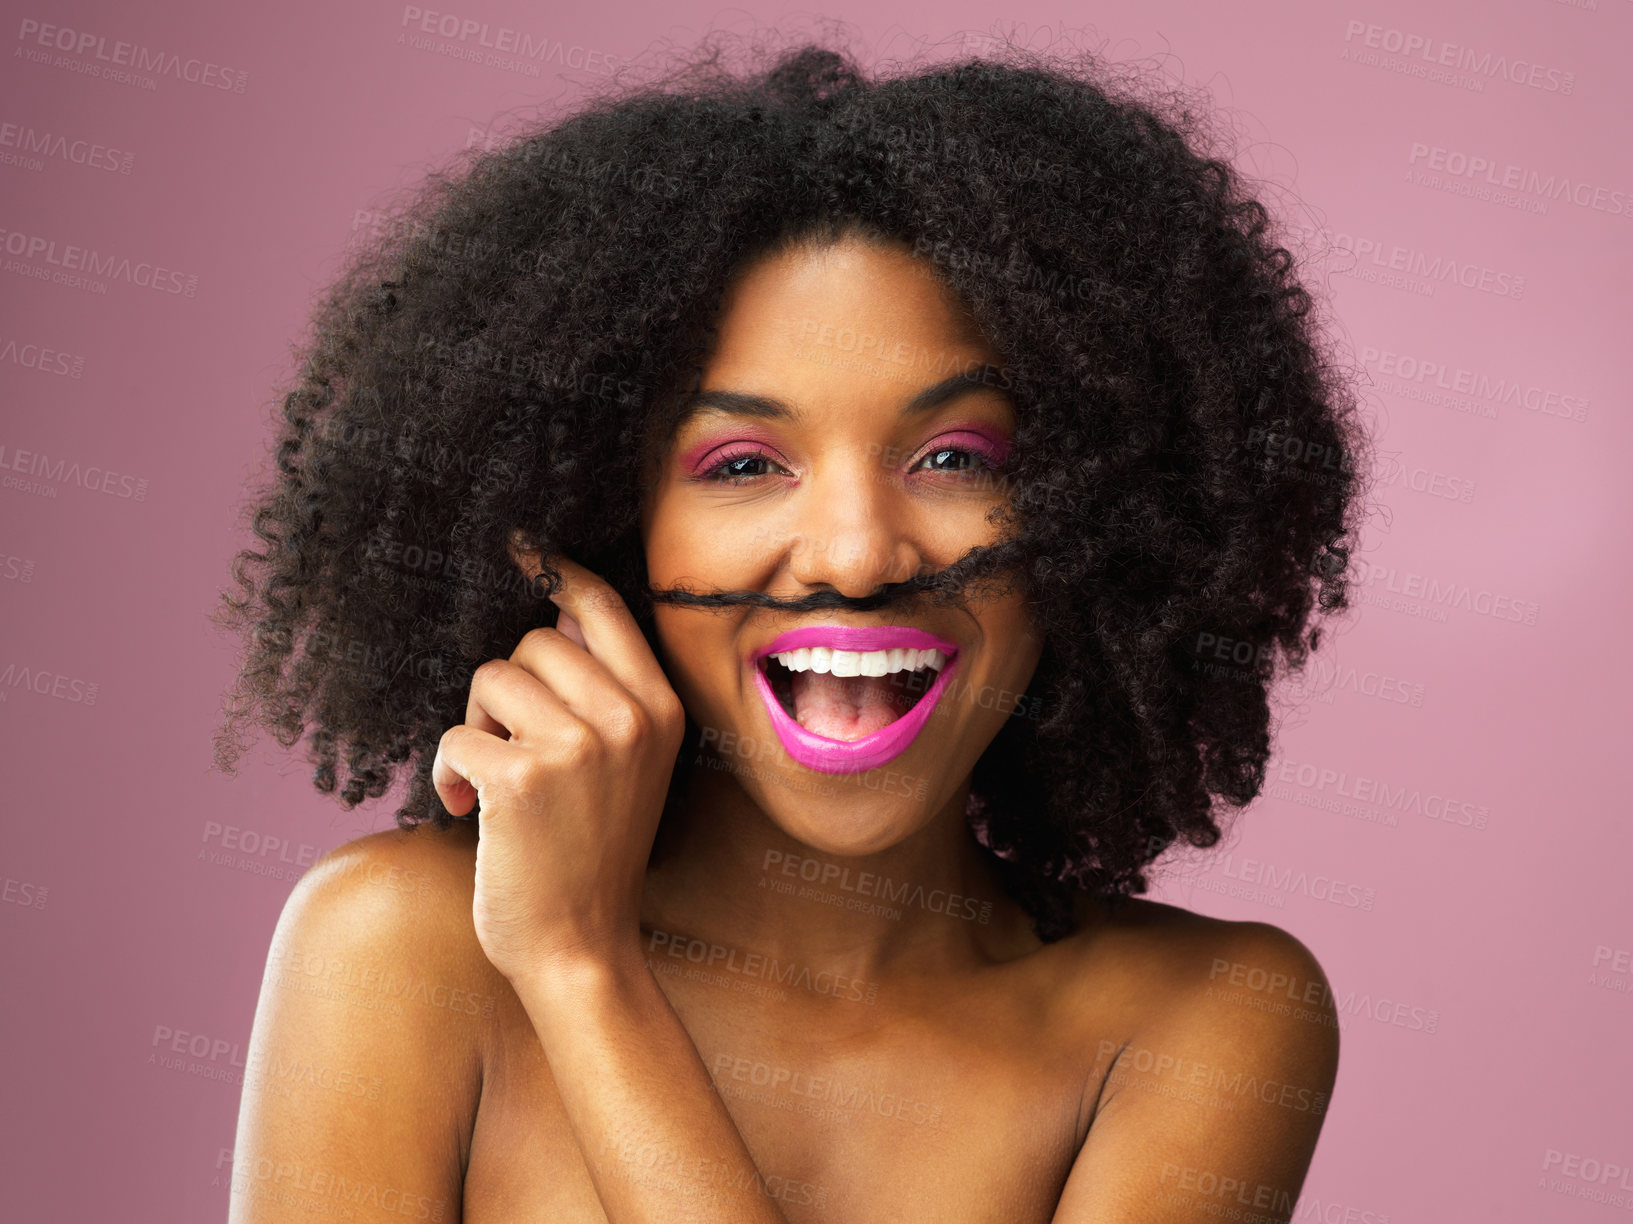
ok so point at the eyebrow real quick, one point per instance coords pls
(738, 403)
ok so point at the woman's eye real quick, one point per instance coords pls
(952, 459)
(746, 465)
(742, 467)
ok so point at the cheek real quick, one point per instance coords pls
(685, 542)
(699, 660)
(1018, 646)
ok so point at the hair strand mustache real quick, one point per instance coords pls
(977, 568)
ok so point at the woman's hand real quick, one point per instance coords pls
(569, 744)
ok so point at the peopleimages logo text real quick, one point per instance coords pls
(73, 258)
(505, 40)
(1476, 166)
(1454, 55)
(131, 55)
(93, 478)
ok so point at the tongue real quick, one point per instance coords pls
(846, 707)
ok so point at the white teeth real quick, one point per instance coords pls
(825, 659)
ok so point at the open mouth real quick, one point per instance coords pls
(849, 694)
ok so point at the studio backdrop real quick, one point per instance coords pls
(1443, 822)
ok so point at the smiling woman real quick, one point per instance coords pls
(795, 478)
(829, 548)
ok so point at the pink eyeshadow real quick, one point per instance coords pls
(990, 444)
(993, 447)
(692, 459)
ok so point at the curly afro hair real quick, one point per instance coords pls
(495, 358)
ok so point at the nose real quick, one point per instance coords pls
(854, 532)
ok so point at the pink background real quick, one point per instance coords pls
(1455, 764)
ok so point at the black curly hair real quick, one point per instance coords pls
(1185, 475)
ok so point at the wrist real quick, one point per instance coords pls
(569, 977)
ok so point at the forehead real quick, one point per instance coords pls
(857, 306)
(856, 332)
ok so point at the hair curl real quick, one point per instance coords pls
(1185, 471)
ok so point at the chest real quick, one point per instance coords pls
(971, 1110)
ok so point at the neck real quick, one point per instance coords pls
(731, 881)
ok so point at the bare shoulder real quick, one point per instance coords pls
(1162, 975)
(398, 896)
(395, 866)
(1179, 950)
(1214, 1050)
(373, 1028)
(427, 851)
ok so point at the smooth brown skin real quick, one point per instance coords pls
(524, 1033)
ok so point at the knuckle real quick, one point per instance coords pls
(627, 725)
(598, 600)
(574, 744)
(670, 712)
(535, 638)
(489, 672)
(520, 776)
(669, 723)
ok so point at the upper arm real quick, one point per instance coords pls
(1213, 1106)
(364, 1061)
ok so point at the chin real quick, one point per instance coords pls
(850, 738)
(849, 823)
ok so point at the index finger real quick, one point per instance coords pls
(610, 633)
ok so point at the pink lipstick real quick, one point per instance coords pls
(853, 756)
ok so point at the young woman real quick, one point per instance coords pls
(814, 541)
